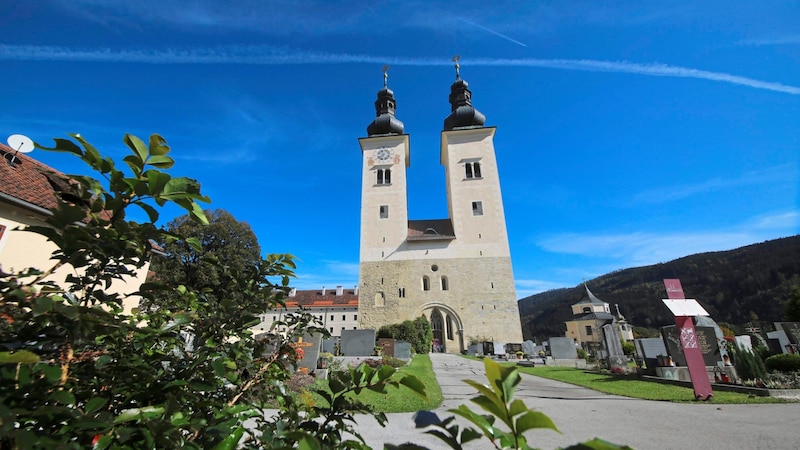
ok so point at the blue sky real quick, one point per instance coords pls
(628, 133)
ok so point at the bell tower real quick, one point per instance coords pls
(454, 271)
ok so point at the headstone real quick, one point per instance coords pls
(388, 346)
(402, 350)
(358, 342)
(792, 330)
(475, 350)
(617, 361)
(529, 348)
(783, 340)
(563, 348)
(488, 348)
(706, 341)
(499, 349)
(310, 343)
(513, 348)
(649, 349)
(329, 345)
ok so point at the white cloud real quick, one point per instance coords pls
(268, 55)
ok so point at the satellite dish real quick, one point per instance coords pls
(20, 143)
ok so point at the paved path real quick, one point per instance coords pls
(582, 414)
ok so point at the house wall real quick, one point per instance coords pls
(20, 250)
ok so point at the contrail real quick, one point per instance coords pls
(491, 31)
(264, 55)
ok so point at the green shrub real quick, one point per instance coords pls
(748, 365)
(785, 362)
(581, 353)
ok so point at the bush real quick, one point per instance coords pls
(393, 362)
(417, 332)
(581, 353)
(785, 362)
(748, 365)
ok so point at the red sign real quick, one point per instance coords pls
(694, 357)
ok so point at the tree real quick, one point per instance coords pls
(226, 248)
(793, 305)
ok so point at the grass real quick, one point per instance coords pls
(403, 399)
(635, 388)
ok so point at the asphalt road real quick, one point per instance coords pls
(582, 414)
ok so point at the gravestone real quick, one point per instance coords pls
(475, 350)
(358, 342)
(388, 346)
(329, 345)
(402, 350)
(563, 348)
(617, 361)
(310, 343)
(706, 340)
(792, 330)
(512, 349)
(488, 348)
(649, 349)
(529, 348)
(783, 340)
(499, 348)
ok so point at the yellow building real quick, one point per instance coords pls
(589, 316)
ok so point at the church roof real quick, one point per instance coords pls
(590, 298)
(594, 316)
(430, 230)
(28, 183)
(385, 121)
(463, 114)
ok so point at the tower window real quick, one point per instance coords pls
(444, 284)
(384, 176)
(477, 208)
(588, 330)
(401, 292)
(426, 283)
(384, 211)
(473, 169)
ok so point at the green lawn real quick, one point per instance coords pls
(403, 399)
(632, 387)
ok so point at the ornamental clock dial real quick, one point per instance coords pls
(384, 154)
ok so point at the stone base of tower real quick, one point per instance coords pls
(476, 301)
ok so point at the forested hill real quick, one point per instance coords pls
(750, 283)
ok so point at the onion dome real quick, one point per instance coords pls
(463, 114)
(385, 121)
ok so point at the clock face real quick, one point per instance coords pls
(384, 154)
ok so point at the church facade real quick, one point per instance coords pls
(456, 271)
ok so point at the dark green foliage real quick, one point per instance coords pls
(792, 308)
(748, 284)
(227, 248)
(749, 366)
(786, 362)
(418, 332)
(628, 348)
(393, 362)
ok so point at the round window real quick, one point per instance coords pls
(434, 268)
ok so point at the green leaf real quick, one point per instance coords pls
(135, 164)
(41, 305)
(231, 441)
(62, 145)
(63, 397)
(94, 404)
(136, 144)
(152, 213)
(148, 412)
(161, 161)
(534, 419)
(19, 356)
(158, 145)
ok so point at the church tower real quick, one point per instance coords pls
(454, 271)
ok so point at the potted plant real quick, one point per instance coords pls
(519, 354)
(378, 350)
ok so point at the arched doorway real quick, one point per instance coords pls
(437, 325)
(448, 330)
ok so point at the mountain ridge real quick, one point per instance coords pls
(746, 284)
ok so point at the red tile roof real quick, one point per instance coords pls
(28, 180)
(315, 299)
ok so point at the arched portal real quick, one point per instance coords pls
(448, 330)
